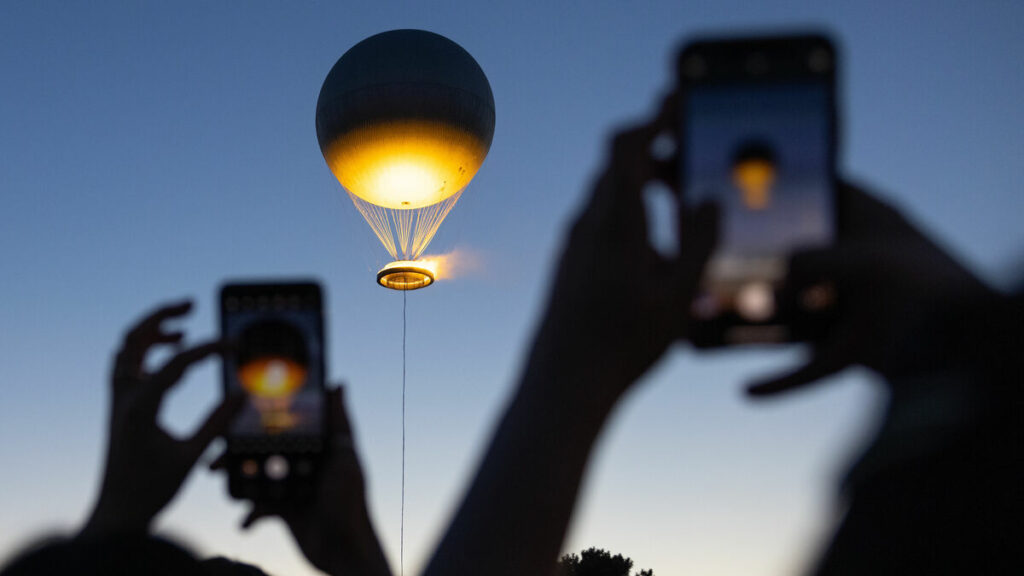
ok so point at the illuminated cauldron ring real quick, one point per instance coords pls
(405, 275)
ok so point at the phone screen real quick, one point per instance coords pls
(277, 362)
(761, 152)
(757, 130)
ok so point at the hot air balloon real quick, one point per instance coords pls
(754, 168)
(404, 120)
(273, 362)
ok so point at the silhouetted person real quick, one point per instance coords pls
(145, 467)
(124, 555)
(939, 491)
(120, 555)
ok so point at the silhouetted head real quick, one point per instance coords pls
(109, 556)
(221, 566)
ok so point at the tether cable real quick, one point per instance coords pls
(401, 539)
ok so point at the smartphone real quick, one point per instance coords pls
(757, 134)
(277, 361)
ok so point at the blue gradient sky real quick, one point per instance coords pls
(151, 152)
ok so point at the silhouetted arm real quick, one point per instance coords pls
(615, 307)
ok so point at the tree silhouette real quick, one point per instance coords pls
(597, 562)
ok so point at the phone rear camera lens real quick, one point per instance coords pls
(250, 468)
(276, 467)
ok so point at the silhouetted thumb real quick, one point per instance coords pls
(806, 375)
(257, 513)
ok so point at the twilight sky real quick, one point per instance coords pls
(151, 151)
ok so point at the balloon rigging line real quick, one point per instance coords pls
(405, 233)
(401, 539)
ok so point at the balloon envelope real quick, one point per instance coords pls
(404, 120)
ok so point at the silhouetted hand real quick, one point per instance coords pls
(146, 466)
(617, 304)
(333, 529)
(906, 307)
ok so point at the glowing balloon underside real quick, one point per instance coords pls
(405, 177)
(406, 164)
(755, 179)
(272, 377)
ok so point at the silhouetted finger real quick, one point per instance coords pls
(667, 122)
(667, 173)
(173, 370)
(127, 370)
(857, 275)
(341, 427)
(618, 197)
(617, 202)
(701, 230)
(631, 159)
(817, 263)
(145, 334)
(147, 328)
(220, 462)
(668, 112)
(851, 264)
(697, 239)
(169, 337)
(128, 362)
(804, 376)
(216, 424)
(827, 359)
(257, 513)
